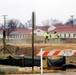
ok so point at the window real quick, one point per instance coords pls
(50, 36)
(20, 36)
(64, 35)
(16, 36)
(60, 35)
(23, 35)
(69, 35)
(74, 35)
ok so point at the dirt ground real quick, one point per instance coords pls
(26, 49)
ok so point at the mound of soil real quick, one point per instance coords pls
(26, 49)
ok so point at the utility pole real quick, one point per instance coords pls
(33, 24)
(72, 20)
(4, 32)
(4, 36)
(4, 20)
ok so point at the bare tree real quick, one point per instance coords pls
(70, 21)
(21, 25)
(50, 22)
(28, 24)
(11, 25)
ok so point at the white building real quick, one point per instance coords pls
(64, 31)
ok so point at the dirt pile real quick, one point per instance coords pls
(26, 49)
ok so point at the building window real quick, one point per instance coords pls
(15, 36)
(50, 36)
(60, 36)
(69, 35)
(20, 36)
(64, 35)
(23, 35)
(74, 35)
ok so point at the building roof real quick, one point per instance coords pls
(64, 28)
(28, 31)
(21, 31)
(44, 28)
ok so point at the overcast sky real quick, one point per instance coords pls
(44, 9)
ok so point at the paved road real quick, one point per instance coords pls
(63, 73)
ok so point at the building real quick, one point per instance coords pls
(40, 30)
(64, 31)
(19, 33)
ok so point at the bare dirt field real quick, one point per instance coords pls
(26, 49)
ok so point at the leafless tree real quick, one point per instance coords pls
(50, 22)
(11, 25)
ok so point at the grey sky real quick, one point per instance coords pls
(44, 9)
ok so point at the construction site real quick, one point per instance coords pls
(37, 54)
(20, 55)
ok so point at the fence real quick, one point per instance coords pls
(66, 52)
(17, 60)
(62, 40)
(51, 41)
